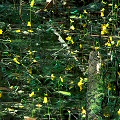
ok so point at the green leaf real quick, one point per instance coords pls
(64, 93)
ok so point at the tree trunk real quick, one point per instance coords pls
(95, 88)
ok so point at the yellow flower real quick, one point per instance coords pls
(10, 110)
(38, 105)
(84, 25)
(1, 31)
(30, 31)
(106, 115)
(72, 41)
(118, 112)
(69, 111)
(102, 14)
(110, 19)
(83, 111)
(80, 46)
(80, 83)
(20, 91)
(80, 16)
(21, 106)
(30, 53)
(85, 12)
(108, 44)
(104, 28)
(103, 2)
(52, 77)
(17, 31)
(0, 94)
(45, 100)
(34, 61)
(118, 43)
(72, 27)
(10, 40)
(73, 52)
(16, 61)
(103, 9)
(110, 38)
(32, 94)
(29, 23)
(116, 6)
(109, 86)
(96, 48)
(32, 3)
(11, 87)
(118, 73)
(110, 4)
(61, 79)
(68, 38)
(71, 21)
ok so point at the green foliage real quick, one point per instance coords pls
(44, 61)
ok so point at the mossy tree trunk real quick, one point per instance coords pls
(95, 88)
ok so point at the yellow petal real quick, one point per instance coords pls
(32, 94)
(15, 60)
(85, 12)
(1, 31)
(32, 3)
(102, 14)
(0, 94)
(52, 77)
(83, 111)
(80, 46)
(103, 9)
(80, 16)
(45, 100)
(38, 105)
(71, 21)
(29, 24)
(61, 79)
(118, 112)
(68, 38)
(118, 43)
(17, 31)
(30, 31)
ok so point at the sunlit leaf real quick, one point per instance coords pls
(64, 93)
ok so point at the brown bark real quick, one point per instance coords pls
(95, 88)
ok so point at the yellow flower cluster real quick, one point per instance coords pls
(69, 38)
(102, 12)
(104, 29)
(110, 42)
